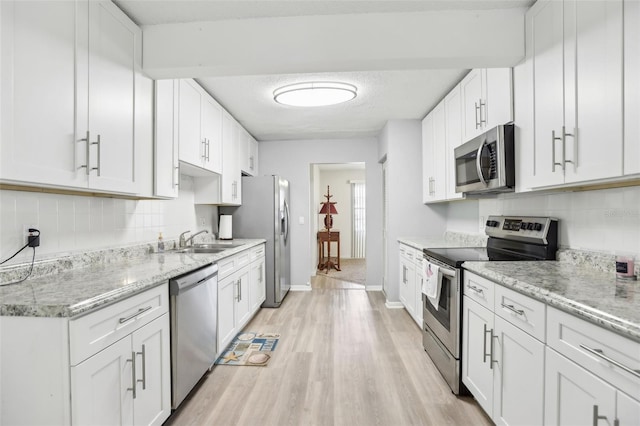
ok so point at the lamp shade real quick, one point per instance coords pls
(328, 208)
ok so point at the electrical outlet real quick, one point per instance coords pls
(32, 239)
(201, 221)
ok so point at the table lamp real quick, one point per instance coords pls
(328, 208)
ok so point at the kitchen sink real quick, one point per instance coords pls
(222, 246)
(200, 250)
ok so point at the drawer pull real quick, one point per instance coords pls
(513, 309)
(132, 316)
(599, 353)
(476, 289)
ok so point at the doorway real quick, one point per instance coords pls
(346, 183)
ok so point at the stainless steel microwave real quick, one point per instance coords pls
(486, 162)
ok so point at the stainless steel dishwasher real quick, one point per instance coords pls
(193, 329)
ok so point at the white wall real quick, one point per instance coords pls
(293, 160)
(75, 223)
(605, 220)
(407, 216)
(340, 187)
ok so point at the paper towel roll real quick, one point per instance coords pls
(224, 230)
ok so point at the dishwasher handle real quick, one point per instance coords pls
(192, 279)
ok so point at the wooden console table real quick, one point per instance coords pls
(327, 262)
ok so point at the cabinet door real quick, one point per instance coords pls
(243, 298)
(417, 298)
(166, 166)
(518, 382)
(572, 394)
(631, 87)
(440, 149)
(191, 144)
(498, 87)
(243, 150)
(593, 89)
(453, 136)
(478, 343)
(102, 387)
(38, 140)
(226, 308)
(545, 20)
(472, 104)
(152, 405)
(428, 157)
(257, 280)
(253, 156)
(627, 409)
(230, 184)
(105, 104)
(212, 133)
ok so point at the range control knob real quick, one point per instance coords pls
(523, 226)
(531, 226)
(538, 226)
(492, 223)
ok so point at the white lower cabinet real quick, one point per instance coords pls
(583, 374)
(128, 383)
(237, 302)
(502, 364)
(257, 277)
(407, 281)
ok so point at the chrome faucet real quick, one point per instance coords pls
(181, 241)
(191, 237)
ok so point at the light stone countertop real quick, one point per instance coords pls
(449, 239)
(78, 291)
(590, 294)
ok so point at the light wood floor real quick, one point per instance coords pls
(343, 359)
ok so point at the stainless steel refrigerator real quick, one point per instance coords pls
(264, 213)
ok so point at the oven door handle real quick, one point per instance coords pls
(447, 272)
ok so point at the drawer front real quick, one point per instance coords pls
(479, 289)
(230, 264)
(527, 314)
(409, 253)
(93, 332)
(602, 352)
(256, 253)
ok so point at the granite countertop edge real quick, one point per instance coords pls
(187, 262)
(596, 316)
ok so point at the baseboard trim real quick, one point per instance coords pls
(300, 288)
(373, 288)
(393, 305)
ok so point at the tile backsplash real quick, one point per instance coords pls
(70, 223)
(606, 220)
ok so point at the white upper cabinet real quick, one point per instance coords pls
(453, 132)
(631, 87)
(68, 93)
(248, 154)
(428, 151)
(230, 186)
(487, 100)
(166, 165)
(200, 127)
(576, 53)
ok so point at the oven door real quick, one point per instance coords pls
(444, 321)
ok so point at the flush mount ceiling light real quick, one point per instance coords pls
(315, 94)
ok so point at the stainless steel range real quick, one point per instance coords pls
(511, 238)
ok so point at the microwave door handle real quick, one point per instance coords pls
(478, 165)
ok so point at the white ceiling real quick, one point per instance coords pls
(383, 94)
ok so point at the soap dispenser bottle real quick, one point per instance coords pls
(160, 243)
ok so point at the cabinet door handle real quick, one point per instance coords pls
(513, 309)
(99, 143)
(575, 147)
(144, 367)
(251, 162)
(133, 374)
(208, 149)
(483, 105)
(597, 416)
(176, 176)
(553, 150)
(477, 110)
(600, 354)
(491, 347)
(87, 141)
(132, 316)
(476, 289)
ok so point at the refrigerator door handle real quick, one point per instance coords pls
(286, 222)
